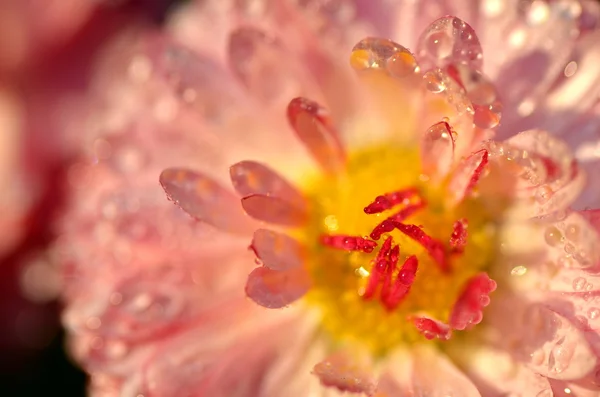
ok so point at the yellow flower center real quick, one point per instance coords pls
(340, 277)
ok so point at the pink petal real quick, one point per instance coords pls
(498, 373)
(251, 177)
(343, 373)
(555, 347)
(277, 251)
(449, 40)
(205, 199)
(262, 65)
(274, 210)
(435, 376)
(466, 176)
(553, 176)
(437, 150)
(314, 129)
(275, 289)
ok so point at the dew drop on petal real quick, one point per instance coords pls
(552, 236)
(437, 150)
(593, 313)
(449, 40)
(376, 53)
(518, 271)
(579, 284)
(433, 82)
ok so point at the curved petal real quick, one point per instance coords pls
(205, 199)
(434, 375)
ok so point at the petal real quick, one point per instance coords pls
(263, 65)
(552, 345)
(205, 199)
(466, 176)
(274, 210)
(276, 289)
(548, 164)
(251, 177)
(277, 251)
(497, 373)
(435, 376)
(314, 129)
(437, 150)
(346, 374)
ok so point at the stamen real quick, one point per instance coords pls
(468, 308)
(349, 243)
(458, 239)
(387, 225)
(434, 248)
(431, 328)
(392, 297)
(390, 200)
(391, 267)
(379, 269)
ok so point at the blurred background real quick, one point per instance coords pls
(46, 49)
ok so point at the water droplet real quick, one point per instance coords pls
(572, 232)
(560, 356)
(434, 82)
(449, 40)
(553, 236)
(375, 53)
(593, 313)
(518, 271)
(579, 284)
(570, 69)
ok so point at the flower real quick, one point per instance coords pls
(401, 245)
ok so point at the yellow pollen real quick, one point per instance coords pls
(339, 277)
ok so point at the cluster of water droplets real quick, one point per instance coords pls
(450, 49)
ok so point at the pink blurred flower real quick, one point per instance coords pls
(479, 280)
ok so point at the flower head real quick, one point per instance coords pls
(401, 245)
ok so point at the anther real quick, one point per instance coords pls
(390, 200)
(434, 248)
(379, 269)
(458, 238)
(388, 224)
(349, 243)
(431, 328)
(391, 297)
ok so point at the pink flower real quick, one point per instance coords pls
(392, 238)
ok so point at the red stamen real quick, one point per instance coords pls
(478, 171)
(467, 310)
(458, 239)
(392, 297)
(387, 225)
(391, 266)
(434, 248)
(390, 200)
(348, 243)
(379, 269)
(431, 328)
